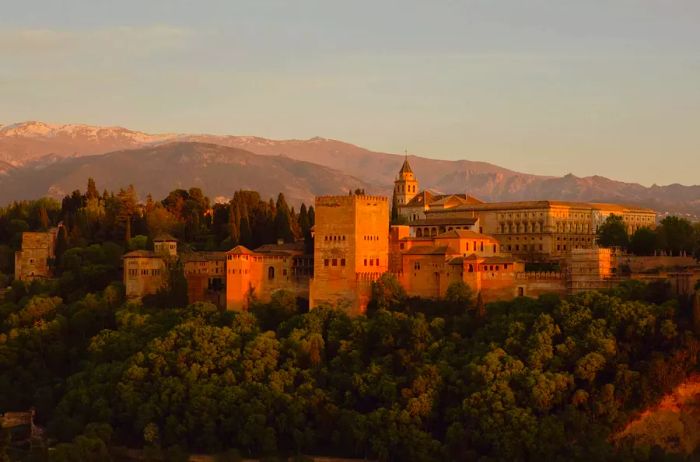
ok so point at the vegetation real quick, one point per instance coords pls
(419, 380)
(673, 236)
(414, 380)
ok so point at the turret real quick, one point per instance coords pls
(405, 185)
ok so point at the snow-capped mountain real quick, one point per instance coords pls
(37, 145)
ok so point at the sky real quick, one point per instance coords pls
(607, 87)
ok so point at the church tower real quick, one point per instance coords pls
(405, 185)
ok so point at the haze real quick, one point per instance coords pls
(548, 87)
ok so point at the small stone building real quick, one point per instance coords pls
(36, 258)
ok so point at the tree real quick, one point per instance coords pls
(283, 220)
(91, 192)
(644, 241)
(613, 233)
(676, 235)
(387, 293)
(460, 296)
(61, 243)
(126, 209)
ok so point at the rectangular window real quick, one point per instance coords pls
(325, 262)
(377, 262)
(342, 262)
(371, 262)
(365, 262)
(335, 262)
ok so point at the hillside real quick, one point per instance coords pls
(218, 170)
(24, 143)
(673, 424)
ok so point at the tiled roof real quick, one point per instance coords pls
(286, 247)
(464, 234)
(240, 250)
(425, 250)
(405, 168)
(545, 204)
(444, 221)
(141, 254)
(203, 256)
(164, 237)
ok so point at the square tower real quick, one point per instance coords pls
(351, 249)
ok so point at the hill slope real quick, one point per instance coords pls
(26, 143)
(218, 170)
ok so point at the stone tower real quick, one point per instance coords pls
(405, 185)
(351, 249)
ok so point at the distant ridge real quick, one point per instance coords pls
(24, 144)
(218, 170)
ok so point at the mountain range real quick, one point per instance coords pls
(38, 159)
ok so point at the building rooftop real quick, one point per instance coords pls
(445, 221)
(164, 237)
(203, 256)
(429, 250)
(464, 234)
(406, 167)
(142, 254)
(545, 204)
(284, 247)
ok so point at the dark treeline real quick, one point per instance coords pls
(94, 219)
(419, 380)
(673, 236)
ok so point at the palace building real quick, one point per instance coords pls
(444, 239)
(532, 230)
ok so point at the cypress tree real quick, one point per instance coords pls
(283, 220)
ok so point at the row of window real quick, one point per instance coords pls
(334, 238)
(144, 272)
(371, 238)
(404, 188)
(333, 262)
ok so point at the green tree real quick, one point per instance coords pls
(283, 220)
(613, 233)
(676, 235)
(387, 293)
(643, 242)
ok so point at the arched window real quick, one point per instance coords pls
(419, 233)
(471, 268)
(271, 273)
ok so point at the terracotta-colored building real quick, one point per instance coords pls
(532, 230)
(35, 259)
(351, 249)
(257, 274)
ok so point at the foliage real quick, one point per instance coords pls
(613, 233)
(414, 380)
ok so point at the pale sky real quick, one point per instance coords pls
(609, 87)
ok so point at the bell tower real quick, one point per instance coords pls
(405, 185)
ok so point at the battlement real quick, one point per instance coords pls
(540, 275)
(336, 201)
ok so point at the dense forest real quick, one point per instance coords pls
(414, 380)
